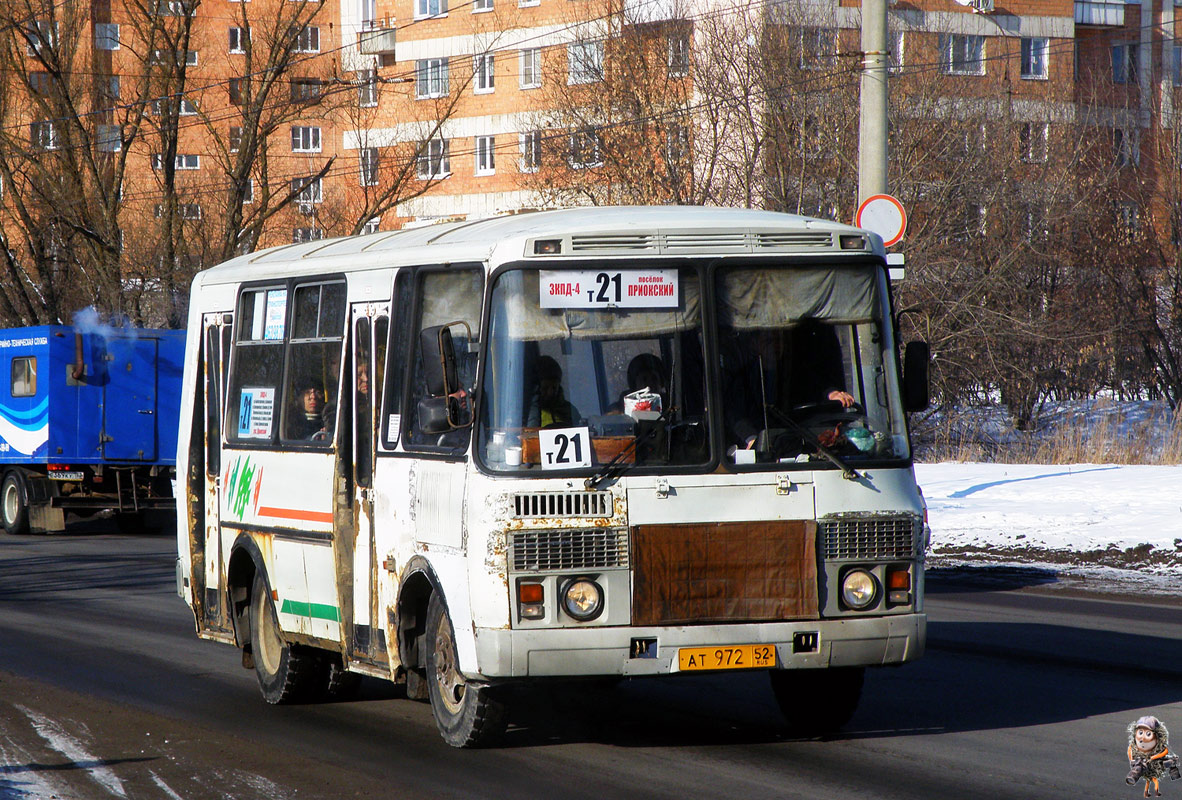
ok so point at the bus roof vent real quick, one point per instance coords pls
(531, 505)
(581, 243)
(706, 241)
(794, 240)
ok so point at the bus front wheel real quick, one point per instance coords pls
(467, 714)
(14, 504)
(287, 673)
(817, 701)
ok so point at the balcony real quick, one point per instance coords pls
(376, 38)
(1100, 14)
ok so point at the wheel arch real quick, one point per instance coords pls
(246, 560)
(418, 583)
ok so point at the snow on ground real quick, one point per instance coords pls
(1108, 522)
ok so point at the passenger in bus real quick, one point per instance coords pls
(306, 420)
(549, 407)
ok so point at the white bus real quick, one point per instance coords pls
(594, 442)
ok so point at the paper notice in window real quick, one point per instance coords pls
(255, 413)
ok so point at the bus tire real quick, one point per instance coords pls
(817, 702)
(287, 673)
(467, 714)
(14, 503)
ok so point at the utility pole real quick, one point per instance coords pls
(872, 127)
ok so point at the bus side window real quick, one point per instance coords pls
(314, 363)
(213, 401)
(257, 365)
(391, 419)
(362, 403)
(445, 297)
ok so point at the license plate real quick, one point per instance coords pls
(735, 656)
(60, 475)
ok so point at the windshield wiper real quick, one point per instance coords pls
(617, 467)
(847, 472)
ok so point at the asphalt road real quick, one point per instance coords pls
(105, 691)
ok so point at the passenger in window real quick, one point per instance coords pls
(549, 407)
(307, 420)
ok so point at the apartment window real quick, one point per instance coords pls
(482, 5)
(301, 235)
(185, 107)
(368, 157)
(962, 54)
(238, 89)
(372, 225)
(174, 8)
(305, 90)
(305, 139)
(483, 75)
(1128, 217)
(43, 135)
(235, 138)
(586, 148)
(109, 138)
(531, 68)
(676, 144)
(112, 88)
(485, 158)
(307, 190)
(818, 47)
(584, 62)
(1126, 147)
(40, 83)
(40, 35)
(1032, 139)
(679, 44)
(531, 151)
(1034, 57)
(248, 191)
(367, 88)
(895, 62)
(1124, 63)
(239, 37)
(527, 3)
(184, 210)
(182, 161)
(431, 77)
(106, 36)
(187, 58)
(1176, 64)
(308, 40)
(434, 159)
(430, 8)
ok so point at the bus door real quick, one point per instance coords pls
(215, 342)
(370, 325)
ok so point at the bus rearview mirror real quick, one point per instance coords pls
(439, 360)
(916, 389)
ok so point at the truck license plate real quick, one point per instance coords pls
(62, 475)
(735, 656)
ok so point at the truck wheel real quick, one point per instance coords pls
(14, 503)
(467, 714)
(287, 673)
(817, 702)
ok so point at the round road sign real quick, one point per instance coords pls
(884, 215)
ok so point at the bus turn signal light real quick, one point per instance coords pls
(898, 586)
(531, 599)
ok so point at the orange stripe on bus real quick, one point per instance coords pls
(296, 513)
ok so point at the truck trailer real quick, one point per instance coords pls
(88, 424)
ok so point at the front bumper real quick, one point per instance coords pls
(570, 652)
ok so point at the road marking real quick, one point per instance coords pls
(71, 748)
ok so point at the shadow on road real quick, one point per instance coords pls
(966, 578)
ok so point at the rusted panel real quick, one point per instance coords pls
(724, 572)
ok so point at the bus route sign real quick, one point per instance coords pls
(609, 288)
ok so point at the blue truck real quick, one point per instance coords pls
(88, 423)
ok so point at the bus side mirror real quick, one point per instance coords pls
(439, 360)
(916, 356)
(435, 414)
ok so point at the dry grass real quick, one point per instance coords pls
(1106, 439)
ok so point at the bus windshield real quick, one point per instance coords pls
(586, 367)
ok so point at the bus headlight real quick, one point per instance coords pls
(858, 589)
(582, 599)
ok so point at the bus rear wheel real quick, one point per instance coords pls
(817, 702)
(467, 714)
(287, 673)
(14, 503)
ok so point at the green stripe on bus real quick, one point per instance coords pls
(313, 610)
